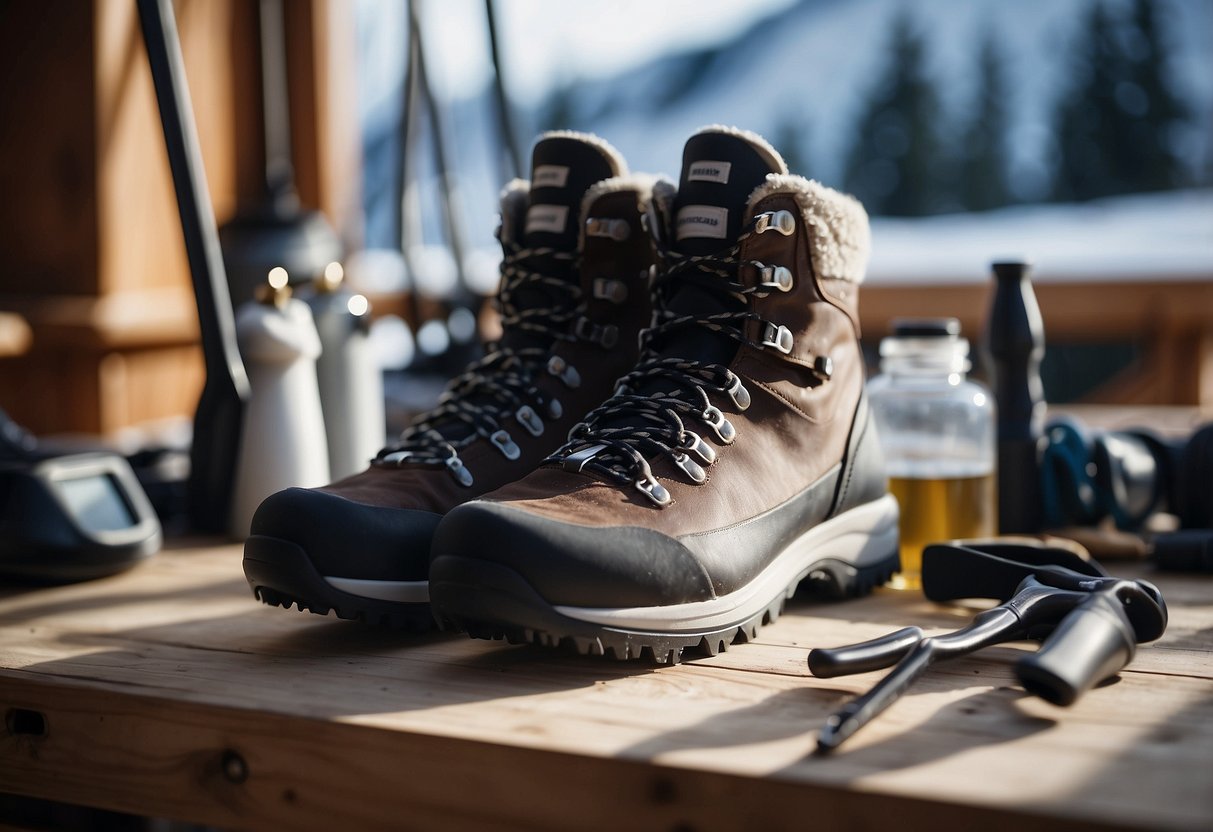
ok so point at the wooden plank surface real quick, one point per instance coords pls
(168, 691)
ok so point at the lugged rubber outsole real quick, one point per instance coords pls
(280, 574)
(490, 601)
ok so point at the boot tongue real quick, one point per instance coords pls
(720, 169)
(719, 172)
(563, 167)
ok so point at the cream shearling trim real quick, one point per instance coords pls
(513, 199)
(513, 187)
(641, 183)
(763, 146)
(619, 167)
(840, 239)
(665, 191)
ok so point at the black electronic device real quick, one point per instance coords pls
(1086, 476)
(69, 517)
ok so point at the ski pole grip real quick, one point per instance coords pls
(1091, 644)
(867, 655)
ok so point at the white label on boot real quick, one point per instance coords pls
(549, 218)
(709, 172)
(703, 221)
(550, 176)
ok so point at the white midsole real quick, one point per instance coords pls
(863, 533)
(408, 592)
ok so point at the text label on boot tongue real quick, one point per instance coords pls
(703, 221)
(548, 218)
(550, 176)
(709, 171)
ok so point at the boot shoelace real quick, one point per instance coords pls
(477, 403)
(647, 415)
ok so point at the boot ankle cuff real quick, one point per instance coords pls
(606, 148)
(642, 184)
(839, 238)
(761, 145)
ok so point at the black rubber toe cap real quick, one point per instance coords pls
(576, 565)
(346, 539)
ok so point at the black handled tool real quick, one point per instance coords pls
(220, 414)
(1092, 623)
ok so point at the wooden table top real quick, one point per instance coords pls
(168, 691)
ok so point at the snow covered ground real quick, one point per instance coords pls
(1164, 235)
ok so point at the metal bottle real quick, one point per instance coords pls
(351, 382)
(283, 442)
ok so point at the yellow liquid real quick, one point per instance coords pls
(934, 510)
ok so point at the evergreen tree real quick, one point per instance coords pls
(1115, 125)
(983, 164)
(895, 164)
(1087, 117)
(1146, 159)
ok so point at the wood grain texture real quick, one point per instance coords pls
(93, 254)
(148, 679)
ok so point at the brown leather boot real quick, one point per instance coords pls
(736, 460)
(574, 295)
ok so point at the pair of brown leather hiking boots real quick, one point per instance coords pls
(669, 437)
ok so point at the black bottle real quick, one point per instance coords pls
(1015, 345)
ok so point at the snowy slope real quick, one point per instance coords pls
(1166, 235)
(813, 65)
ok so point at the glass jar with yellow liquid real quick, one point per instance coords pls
(937, 430)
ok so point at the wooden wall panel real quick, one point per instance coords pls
(91, 249)
(48, 210)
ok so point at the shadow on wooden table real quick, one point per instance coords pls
(954, 729)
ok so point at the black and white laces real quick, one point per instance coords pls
(665, 406)
(538, 300)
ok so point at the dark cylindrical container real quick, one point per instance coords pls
(1015, 345)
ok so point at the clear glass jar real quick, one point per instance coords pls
(939, 437)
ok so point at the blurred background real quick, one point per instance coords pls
(1075, 133)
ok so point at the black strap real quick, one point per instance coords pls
(994, 570)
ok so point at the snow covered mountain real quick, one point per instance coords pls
(800, 76)
(803, 74)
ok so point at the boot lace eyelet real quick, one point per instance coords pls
(605, 335)
(690, 467)
(775, 277)
(781, 221)
(505, 443)
(459, 471)
(529, 419)
(564, 371)
(611, 228)
(721, 426)
(655, 491)
(738, 393)
(693, 443)
(778, 337)
(823, 365)
(608, 289)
